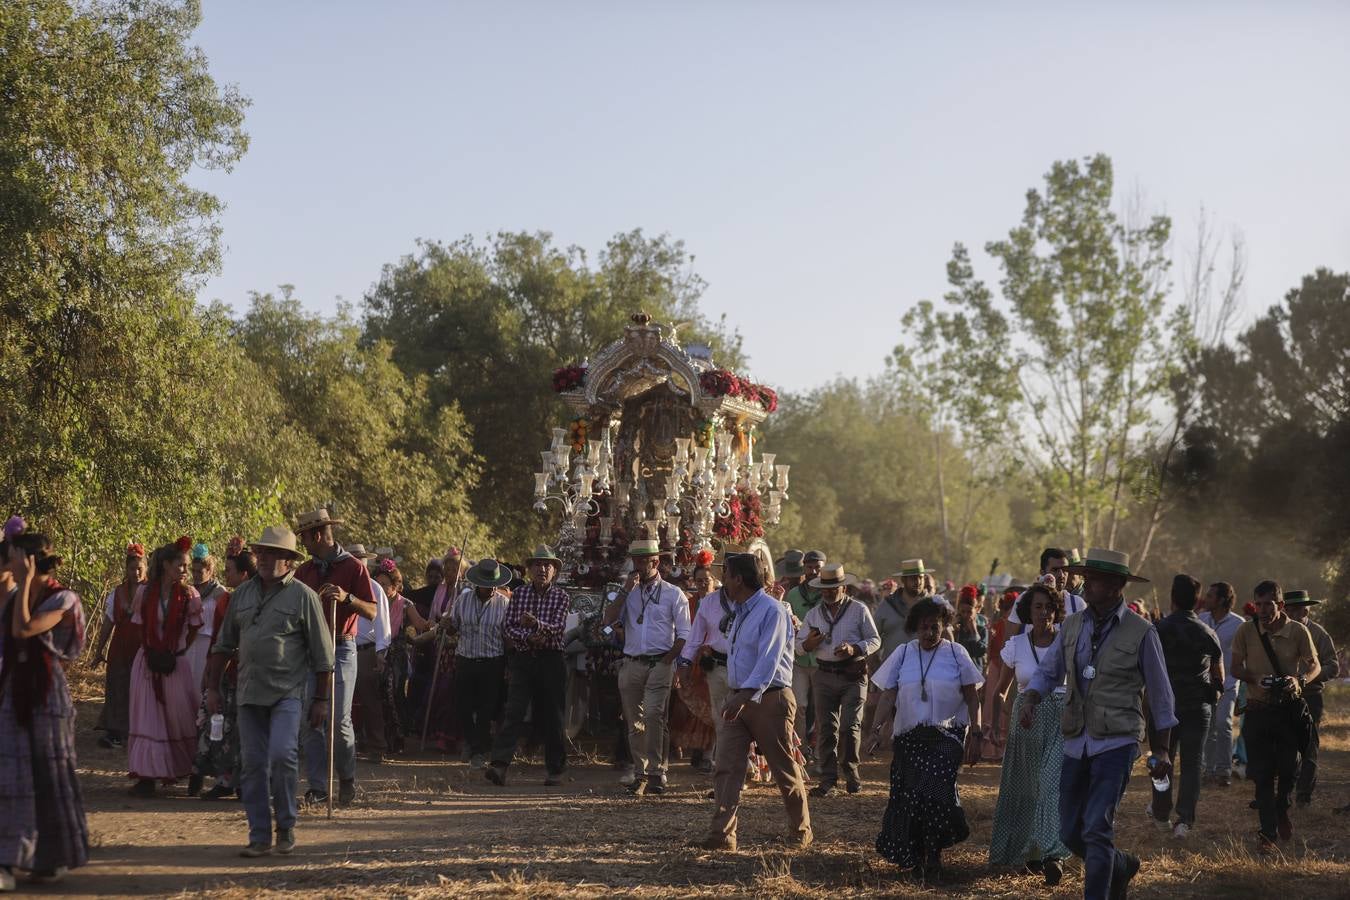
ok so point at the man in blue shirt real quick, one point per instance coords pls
(760, 706)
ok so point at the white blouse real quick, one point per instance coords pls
(940, 673)
(1024, 657)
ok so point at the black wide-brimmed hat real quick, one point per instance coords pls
(488, 573)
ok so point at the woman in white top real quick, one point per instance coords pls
(929, 694)
(1026, 819)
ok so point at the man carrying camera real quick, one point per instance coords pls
(1275, 656)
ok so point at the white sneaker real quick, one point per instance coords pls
(1180, 830)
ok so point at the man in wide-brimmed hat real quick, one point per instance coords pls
(893, 610)
(1297, 605)
(344, 588)
(533, 628)
(840, 634)
(476, 618)
(654, 615)
(372, 643)
(276, 625)
(802, 599)
(1109, 655)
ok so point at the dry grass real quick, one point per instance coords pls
(424, 827)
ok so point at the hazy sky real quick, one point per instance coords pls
(818, 159)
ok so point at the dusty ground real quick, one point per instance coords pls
(426, 826)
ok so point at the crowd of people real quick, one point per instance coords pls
(752, 669)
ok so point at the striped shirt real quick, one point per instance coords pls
(479, 624)
(549, 606)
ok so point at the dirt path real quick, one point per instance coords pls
(424, 826)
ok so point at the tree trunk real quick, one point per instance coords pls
(942, 504)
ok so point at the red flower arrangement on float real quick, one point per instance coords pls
(725, 383)
(743, 522)
(568, 378)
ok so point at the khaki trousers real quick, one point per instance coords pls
(717, 692)
(645, 692)
(768, 724)
(839, 703)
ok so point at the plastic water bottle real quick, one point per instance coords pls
(218, 727)
(1159, 784)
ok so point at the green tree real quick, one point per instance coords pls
(487, 325)
(1075, 356)
(105, 370)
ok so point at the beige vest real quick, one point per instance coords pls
(1112, 706)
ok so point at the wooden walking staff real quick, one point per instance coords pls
(332, 702)
(450, 596)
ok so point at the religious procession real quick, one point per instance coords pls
(659, 624)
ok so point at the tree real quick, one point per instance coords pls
(1076, 355)
(487, 324)
(105, 400)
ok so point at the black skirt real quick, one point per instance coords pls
(924, 814)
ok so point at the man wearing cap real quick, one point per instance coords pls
(276, 625)
(760, 707)
(893, 610)
(1275, 656)
(654, 616)
(533, 629)
(1054, 564)
(372, 643)
(1112, 656)
(840, 633)
(344, 588)
(1297, 605)
(802, 599)
(480, 655)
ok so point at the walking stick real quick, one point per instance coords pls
(332, 704)
(450, 597)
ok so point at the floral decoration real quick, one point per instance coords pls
(725, 383)
(743, 522)
(569, 378)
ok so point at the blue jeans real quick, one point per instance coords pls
(316, 739)
(268, 737)
(1090, 789)
(1188, 739)
(1219, 741)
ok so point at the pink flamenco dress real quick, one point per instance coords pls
(163, 738)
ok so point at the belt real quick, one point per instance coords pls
(836, 667)
(650, 659)
(771, 688)
(369, 645)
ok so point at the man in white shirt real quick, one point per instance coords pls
(372, 640)
(840, 633)
(654, 617)
(1219, 615)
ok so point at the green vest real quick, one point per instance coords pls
(796, 598)
(1112, 706)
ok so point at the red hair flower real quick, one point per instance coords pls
(234, 547)
(184, 544)
(704, 558)
(1249, 609)
(136, 549)
(388, 566)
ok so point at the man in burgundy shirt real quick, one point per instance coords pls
(533, 629)
(338, 578)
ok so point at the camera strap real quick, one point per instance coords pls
(1270, 651)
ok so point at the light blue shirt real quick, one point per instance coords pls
(1225, 630)
(761, 646)
(1151, 664)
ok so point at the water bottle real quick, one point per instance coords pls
(218, 727)
(1159, 784)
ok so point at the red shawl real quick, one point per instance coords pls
(151, 637)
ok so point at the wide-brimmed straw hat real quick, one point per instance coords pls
(912, 567)
(315, 518)
(832, 577)
(359, 551)
(488, 573)
(277, 537)
(644, 548)
(543, 554)
(1299, 598)
(1106, 562)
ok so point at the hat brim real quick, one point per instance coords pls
(849, 581)
(1305, 602)
(794, 572)
(301, 529)
(1087, 568)
(557, 563)
(912, 574)
(641, 554)
(501, 581)
(294, 554)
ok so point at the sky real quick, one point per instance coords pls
(819, 160)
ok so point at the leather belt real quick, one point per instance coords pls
(650, 659)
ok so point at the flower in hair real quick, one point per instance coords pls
(136, 549)
(184, 544)
(15, 526)
(234, 547)
(704, 558)
(200, 551)
(388, 566)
